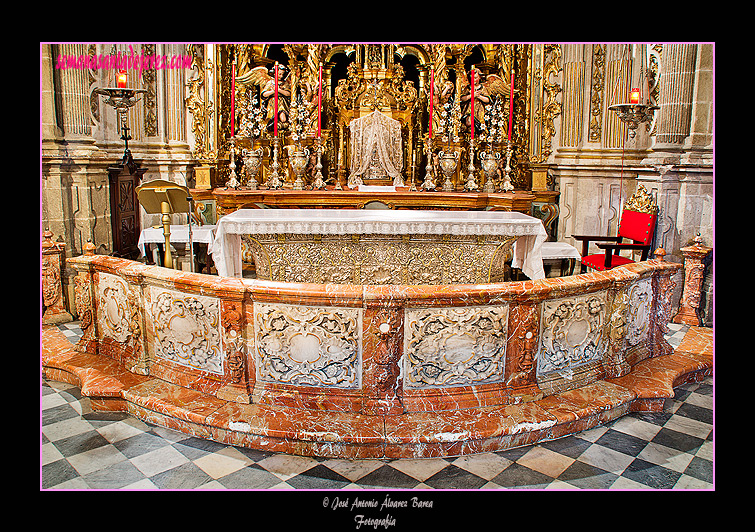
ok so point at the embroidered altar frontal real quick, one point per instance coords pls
(378, 259)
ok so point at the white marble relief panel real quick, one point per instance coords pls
(572, 332)
(187, 329)
(454, 346)
(308, 346)
(113, 309)
(640, 308)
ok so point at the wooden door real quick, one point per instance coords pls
(124, 210)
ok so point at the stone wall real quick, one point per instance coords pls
(595, 170)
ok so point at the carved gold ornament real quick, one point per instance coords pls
(641, 201)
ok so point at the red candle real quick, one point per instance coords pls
(319, 103)
(122, 79)
(275, 122)
(471, 117)
(511, 104)
(634, 96)
(432, 87)
(233, 98)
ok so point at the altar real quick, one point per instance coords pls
(346, 246)
(374, 127)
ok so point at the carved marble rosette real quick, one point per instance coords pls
(455, 347)
(307, 346)
(448, 163)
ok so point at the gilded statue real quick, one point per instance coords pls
(442, 100)
(485, 92)
(261, 77)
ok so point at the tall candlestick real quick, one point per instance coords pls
(432, 88)
(471, 117)
(511, 104)
(233, 97)
(275, 121)
(319, 103)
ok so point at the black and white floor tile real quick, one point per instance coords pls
(88, 450)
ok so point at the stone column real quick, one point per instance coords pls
(75, 191)
(676, 89)
(698, 145)
(689, 311)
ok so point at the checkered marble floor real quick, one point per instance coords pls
(82, 449)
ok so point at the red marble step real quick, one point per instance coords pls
(355, 435)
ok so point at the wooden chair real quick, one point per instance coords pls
(637, 224)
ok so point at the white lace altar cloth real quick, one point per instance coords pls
(530, 233)
(375, 149)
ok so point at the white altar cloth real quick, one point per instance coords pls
(202, 234)
(530, 233)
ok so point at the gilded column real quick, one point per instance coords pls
(573, 97)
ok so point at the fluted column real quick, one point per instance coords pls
(74, 85)
(676, 84)
(698, 145)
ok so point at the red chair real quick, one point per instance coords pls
(637, 224)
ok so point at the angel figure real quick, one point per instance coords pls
(261, 77)
(484, 92)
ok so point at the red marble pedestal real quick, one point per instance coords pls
(689, 310)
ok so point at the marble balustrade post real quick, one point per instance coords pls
(53, 296)
(689, 310)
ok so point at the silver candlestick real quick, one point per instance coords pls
(507, 186)
(233, 181)
(471, 184)
(429, 182)
(274, 180)
(318, 183)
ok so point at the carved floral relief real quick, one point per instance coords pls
(640, 308)
(83, 302)
(308, 346)
(572, 332)
(454, 346)
(113, 309)
(187, 329)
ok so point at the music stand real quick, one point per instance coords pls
(166, 198)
